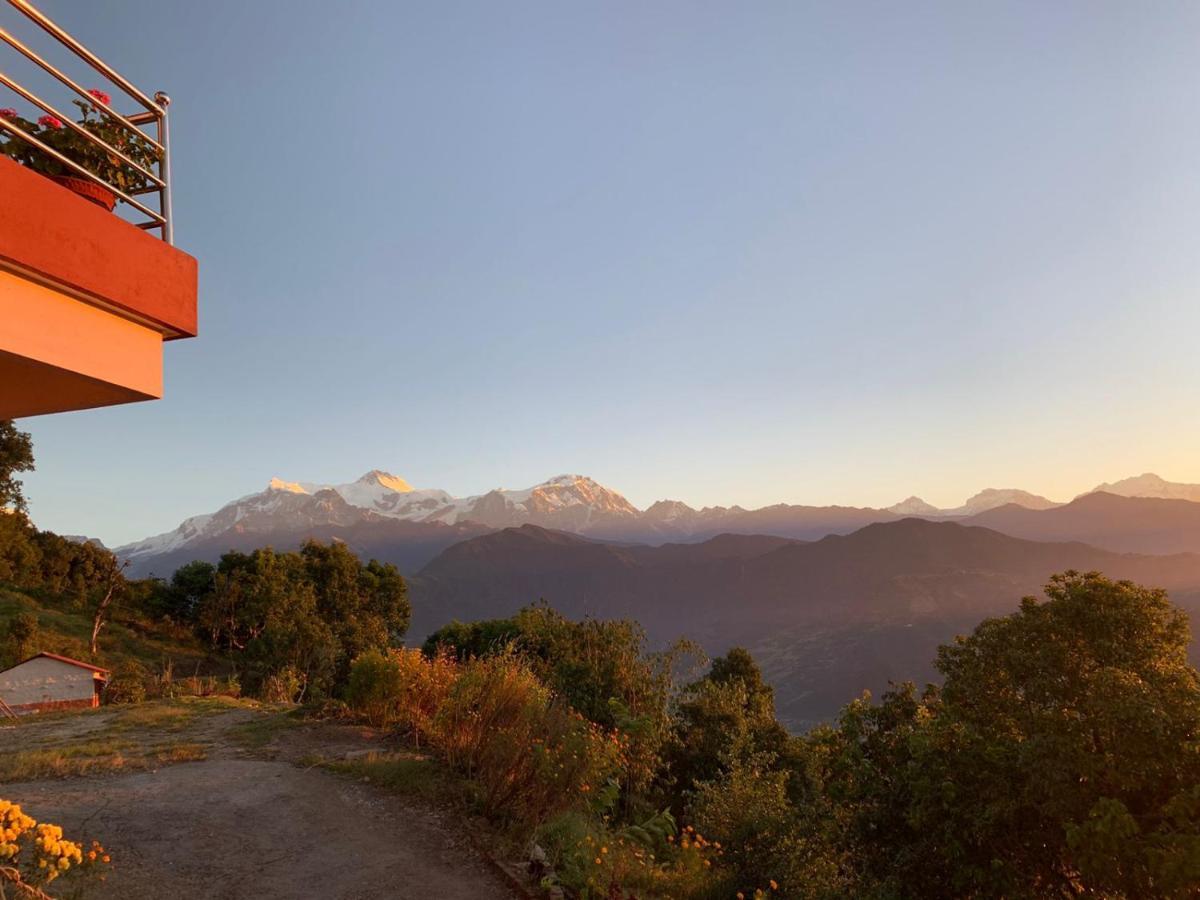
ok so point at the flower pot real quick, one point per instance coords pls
(88, 190)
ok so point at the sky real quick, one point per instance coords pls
(716, 252)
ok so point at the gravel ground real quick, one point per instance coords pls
(235, 826)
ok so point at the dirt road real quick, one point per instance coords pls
(235, 826)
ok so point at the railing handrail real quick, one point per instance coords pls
(155, 113)
(84, 53)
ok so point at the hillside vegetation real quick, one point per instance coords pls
(1060, 758)
(60, 626)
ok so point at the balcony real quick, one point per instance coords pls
(87, 295)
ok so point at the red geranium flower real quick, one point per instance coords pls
(50, 122)
(7, 113)
(101, 96)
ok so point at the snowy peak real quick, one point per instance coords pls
(292, 487)
(379, 478)
(578, 490)
(566, 502)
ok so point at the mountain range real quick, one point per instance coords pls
(832, 600)
(382, 514)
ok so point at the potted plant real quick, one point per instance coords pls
(95, 119)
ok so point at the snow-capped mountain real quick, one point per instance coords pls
(383, 515)
(567, 502)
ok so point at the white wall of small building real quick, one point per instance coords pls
(45, 680)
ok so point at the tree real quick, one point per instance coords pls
(112, 585)
(467, 640)
(16, 455)
(1060, 758)
(1078, 719)
(726, 717)
(21, 636)
(309, 613)
(366, 606)
(189, 586)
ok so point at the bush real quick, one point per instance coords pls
(283, 686)
(400, 688)
(374, 687)
(531, 754)
(128, 683)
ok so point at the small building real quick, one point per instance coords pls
(48, 681)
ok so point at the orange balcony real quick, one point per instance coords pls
(87, 296)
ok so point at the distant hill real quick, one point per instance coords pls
(828, 618)
(1151, 485)
(1123, 524)
(989, 498)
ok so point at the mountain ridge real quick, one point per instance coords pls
(571, 502)
(827, 618)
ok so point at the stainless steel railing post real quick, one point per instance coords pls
(164, 169)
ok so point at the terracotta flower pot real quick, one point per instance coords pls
(88, 190)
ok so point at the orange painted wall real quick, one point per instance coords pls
(57, 353)
(50, 232)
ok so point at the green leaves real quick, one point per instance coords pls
(1059, 758)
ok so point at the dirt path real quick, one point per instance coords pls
(235, 826)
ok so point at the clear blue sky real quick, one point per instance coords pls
(718, 252)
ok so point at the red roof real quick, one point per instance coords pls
(65, 659)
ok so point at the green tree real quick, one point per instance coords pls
(16, 455)
(189, 586)
(20, 557)
(467, 640)
(309, 613)
(726, 716)
(21, 637)
(366, 606)
(1061, 758)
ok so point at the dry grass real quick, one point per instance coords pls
(112, 739)
(94, 758)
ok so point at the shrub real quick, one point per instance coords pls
(374, 687)
(128, 683)
(766, 844)
(400, 688)
(531, 755)
(283, 686)
(650, 858)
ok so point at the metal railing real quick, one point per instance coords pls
(153, 112)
